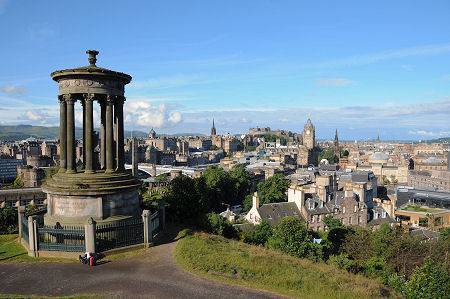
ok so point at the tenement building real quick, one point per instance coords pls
(103, 191)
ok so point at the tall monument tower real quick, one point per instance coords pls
(104, 191)
(309, 135)
(336, 147)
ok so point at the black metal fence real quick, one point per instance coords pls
(119, 234)
(61, 238)
(155, 224)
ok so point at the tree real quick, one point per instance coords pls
(18, 183)
(187, 200)
(428, 281)
(329, 155)
(8, 219)
(291, 236)
(344, 153)
(241, 180)
(259, 234)
(273, 189)
(218, 225)
(220, 187)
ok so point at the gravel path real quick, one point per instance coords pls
(150, 275)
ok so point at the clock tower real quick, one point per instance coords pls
(309, 135)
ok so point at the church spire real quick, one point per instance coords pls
(213, 129)
(336, 139)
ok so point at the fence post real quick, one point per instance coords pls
(89, 235)
(145, 223)
(32, 238)
(20, 215)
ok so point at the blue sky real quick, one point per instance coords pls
(363, 68)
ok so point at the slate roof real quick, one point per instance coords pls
(274, 212)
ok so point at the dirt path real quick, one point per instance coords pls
(151, 275)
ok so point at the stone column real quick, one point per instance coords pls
(120, 133)
(71, 165)
(83, 153)
(134, 158)
(145, 222)
(62, 134)
(32, 238)
(109, 135)
(88, 134)
(89, 235)
(20, 216)
(103, 134)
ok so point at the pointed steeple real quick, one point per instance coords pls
(336, 138)
(213, 129)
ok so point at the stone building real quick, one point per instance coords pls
(31, 176)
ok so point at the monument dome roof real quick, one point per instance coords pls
(91, 70)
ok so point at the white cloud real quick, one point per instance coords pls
(175, 117)
(13, 89)
(144, 114)
(34, 116)
(334, 82)
(429, 134)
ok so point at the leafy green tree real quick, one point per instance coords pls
(218, 225)
(273, 189)
(431, 280)
(8, 219)
(248, 203)
(241, 180)
(220, 187)
(291, 236)
(342, 261)
(259, 234)
(329, 155)
(18, 183)
(187, 200)
(344, 153)
(332, 222)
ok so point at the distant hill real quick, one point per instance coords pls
(21, 132)
(437, 140)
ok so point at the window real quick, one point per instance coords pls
(349, 220)
(343, 210)
(356, 208)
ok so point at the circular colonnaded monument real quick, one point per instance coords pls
(101, 188)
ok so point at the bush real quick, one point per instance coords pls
(8, 220)
(218, 225)
(259, 234)
(342, 261)
(291, 236)
(429, 281)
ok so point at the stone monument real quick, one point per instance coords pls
(101, 188)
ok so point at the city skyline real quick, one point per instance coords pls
(247, 65)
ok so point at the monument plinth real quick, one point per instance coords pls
(104, 191)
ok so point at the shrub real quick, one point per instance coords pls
(259, 234)
(291, 236)
(8, 220)
(429, 281)
(342, 261)
(218, 225)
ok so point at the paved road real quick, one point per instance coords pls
(152, 275)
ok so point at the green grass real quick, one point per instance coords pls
(11, 251)
(421, 209)
(234, 262)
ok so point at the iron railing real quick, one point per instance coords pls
(121, 233)
(61, 238)
(155, 224)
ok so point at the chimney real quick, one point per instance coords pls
(255, 200)
(297, 195)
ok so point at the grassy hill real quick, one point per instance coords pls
(234, 262)
(20, 132)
